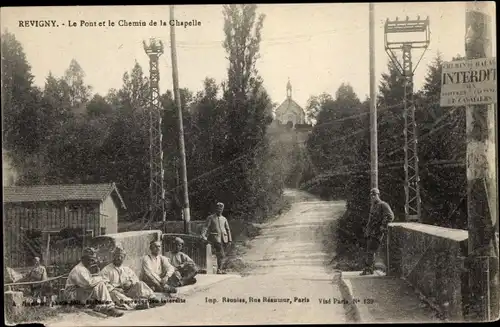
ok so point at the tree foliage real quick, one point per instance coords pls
(332, 139)
(441, 151)
(66, 134)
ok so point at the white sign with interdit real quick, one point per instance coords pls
(469, 82)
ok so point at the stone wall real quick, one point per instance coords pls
(431, 259)
(135, 243)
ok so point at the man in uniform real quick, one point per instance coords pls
(37, 274)
(157, 271)
(85, 288)
(185, 268)
(380, 216)
(219, 235)
(125, 288)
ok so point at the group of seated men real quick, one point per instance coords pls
(118, 287)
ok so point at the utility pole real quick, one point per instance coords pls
(483, 261)
(156, 184)
(175, 77)
(406, 69)
(373, 103)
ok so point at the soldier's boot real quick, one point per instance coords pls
(156, 302)
(169, 289)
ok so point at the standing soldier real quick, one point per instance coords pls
(380, 216)
(219, 235)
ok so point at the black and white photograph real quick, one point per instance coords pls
(251, 164)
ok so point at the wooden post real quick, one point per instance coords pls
(46, 258)
(483, 278)
(175, 76)
(373, 102)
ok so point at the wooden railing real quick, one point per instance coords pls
(51, 286)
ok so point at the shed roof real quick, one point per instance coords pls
(70, 192)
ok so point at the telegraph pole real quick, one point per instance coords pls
(373, 103)
(175, 77)
(483, 278)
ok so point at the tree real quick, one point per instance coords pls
(350, 239)
(16, 72)
(98, 107)
(22, 122)
(242, 42)
(79, 92)
(247, 105)
(442, 138)
(134, 94)
(171, 152)
(314, 105)
(333, 139)
(208, 141)
(124, 157)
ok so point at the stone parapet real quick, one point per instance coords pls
(431, 259)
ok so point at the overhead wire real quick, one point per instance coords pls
(265, 41)
(279, 41)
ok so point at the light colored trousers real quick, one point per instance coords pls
(139, 290)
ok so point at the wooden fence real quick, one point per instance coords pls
(29, 229)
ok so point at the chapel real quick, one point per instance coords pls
(289, 111)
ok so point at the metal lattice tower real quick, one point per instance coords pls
(406, 69)
(156, 186)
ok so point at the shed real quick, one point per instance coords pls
(56, 217)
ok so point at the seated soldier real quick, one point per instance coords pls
(184, 265)
(37, 274)
(125, 288)
(157, 271)
(84, 288)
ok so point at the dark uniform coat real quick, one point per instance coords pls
(380, 215)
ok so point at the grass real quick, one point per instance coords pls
(37, 314)
(234, 261)
(344, 257)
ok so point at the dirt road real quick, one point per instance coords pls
(289, 267)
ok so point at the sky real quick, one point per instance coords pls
(317, 46)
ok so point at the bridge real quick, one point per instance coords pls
(290, 279)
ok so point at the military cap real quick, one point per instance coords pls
(89, 252)
(158, 243)
(374, 191)
(119, 250)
